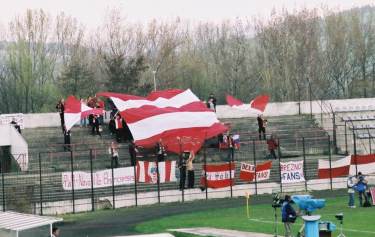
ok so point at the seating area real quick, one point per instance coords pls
(46, 148)
(349, 124)
(358, 117)
(351, 109)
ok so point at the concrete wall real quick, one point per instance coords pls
(291, 108)
(18, 145)
(168, 196)
(5, 135)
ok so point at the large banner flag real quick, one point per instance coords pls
(184, 143)
(292, 172)
(147, 171)
(75, 110)
(336, 169)
(101, 179)
(218, 176)
(365, 164)
(258, 105)
(165, 115)
(263, 171)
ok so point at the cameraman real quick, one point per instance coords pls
(288, 216)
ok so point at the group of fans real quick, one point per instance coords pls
(117, 125)
(118, 128)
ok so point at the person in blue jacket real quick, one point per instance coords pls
(288, 216)
(361, 188)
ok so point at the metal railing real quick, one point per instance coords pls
(40, 190)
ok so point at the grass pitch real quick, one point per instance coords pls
(228, 214)
(358, 222)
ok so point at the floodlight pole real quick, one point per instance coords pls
(154, 72)
(310, 98)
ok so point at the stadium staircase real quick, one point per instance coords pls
(46, 147)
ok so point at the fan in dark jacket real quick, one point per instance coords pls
(61, 108)
(288, 216)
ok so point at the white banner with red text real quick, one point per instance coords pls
(291, 172)
(101, 179)
(218, 175)
(263, 171)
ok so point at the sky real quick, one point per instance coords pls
(92, 13)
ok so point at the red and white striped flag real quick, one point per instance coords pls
(165, 115)
(257, 105)
(147, 171)
(365, 164)
(218, 176)
(263, 171)
(74, 110)
(336, 169)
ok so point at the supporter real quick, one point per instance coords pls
(15, 125)
(91, 103)
(190, 169)
(67, 136)
(231, 146)
(133, 153)
(261, 126)
(213, 101)
(272, 146)
(160, 151)
(119, 127)
(60, 108)
(113, 151)
(112, 126)
(96, 126)
(361, 188)
(288, 216)
(112, 105)
(55, 232)
(220, 138)
(210, 105)
(351, 183)
(182, 167)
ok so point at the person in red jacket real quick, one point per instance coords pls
(272, 146)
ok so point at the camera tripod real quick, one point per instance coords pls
(341, 233)
(275, 223)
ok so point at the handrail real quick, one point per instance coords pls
(355, 133)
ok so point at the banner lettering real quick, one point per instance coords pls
(102, 178)
(292, 172)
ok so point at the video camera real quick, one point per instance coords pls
(307, 203)
(276, 201)
(339, 216)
